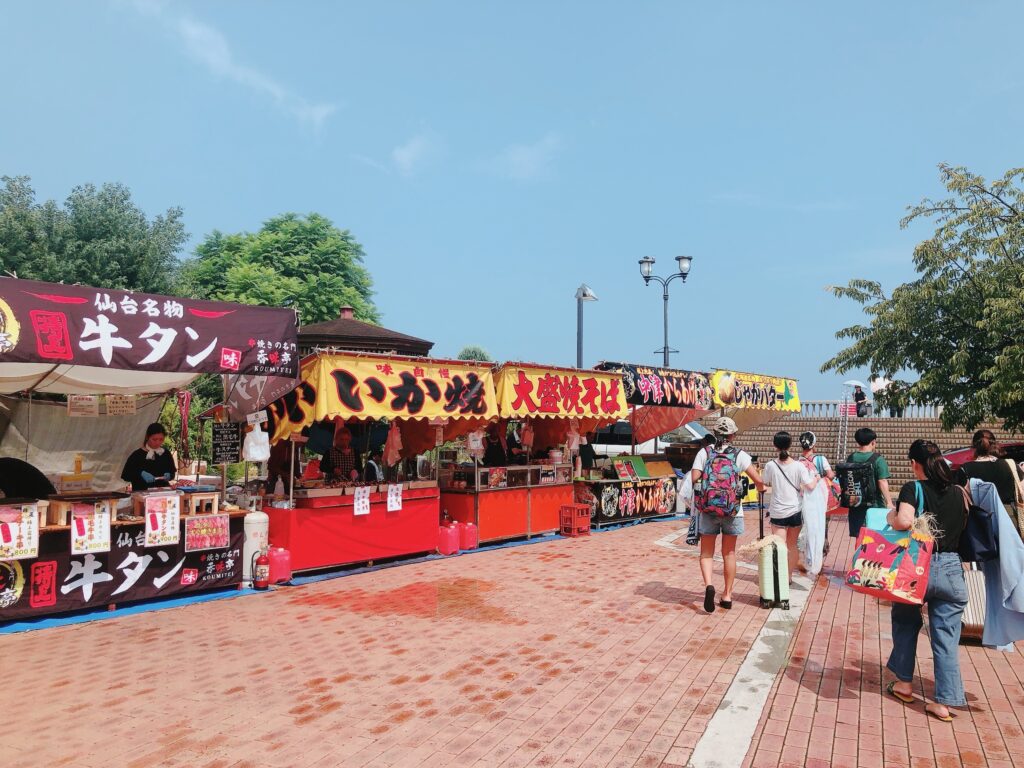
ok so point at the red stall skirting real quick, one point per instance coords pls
(322, 536)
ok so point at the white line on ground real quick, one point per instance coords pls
(731, 730)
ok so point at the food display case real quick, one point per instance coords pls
(506, 502)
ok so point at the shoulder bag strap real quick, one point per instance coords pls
(1016, 481)
(795, 486)
(919, 497)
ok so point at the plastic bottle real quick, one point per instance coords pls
(279, 488)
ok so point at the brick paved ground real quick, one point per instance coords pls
(586, 652)
(828, 708)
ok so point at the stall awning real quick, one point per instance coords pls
(736, 389)
(75, 339)
(668, 387)
(538, 392)
(352, 386)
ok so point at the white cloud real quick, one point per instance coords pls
(207, 45)
(410, 157)
(523, 162)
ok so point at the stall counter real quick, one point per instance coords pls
(324, 531)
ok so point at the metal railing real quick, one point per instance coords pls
(832, 409)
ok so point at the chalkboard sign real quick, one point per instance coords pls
(227, 443)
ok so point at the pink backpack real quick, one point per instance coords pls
(720, 487)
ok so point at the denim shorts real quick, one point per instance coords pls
(793, 521)
(712, 524)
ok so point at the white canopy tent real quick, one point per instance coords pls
(87, 380)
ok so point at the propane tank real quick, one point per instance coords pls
(257, 531)
(261, 570)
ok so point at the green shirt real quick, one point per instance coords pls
(881, 468)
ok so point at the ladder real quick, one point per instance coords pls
(843, 430)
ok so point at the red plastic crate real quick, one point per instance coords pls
(574, 519)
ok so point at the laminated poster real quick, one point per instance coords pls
(362, 500)
(162, 516)
(19, 532)
(207, 532)
(90, 528)
(395, 497)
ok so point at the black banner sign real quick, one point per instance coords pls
(664, 386)
(227, 443)
(98, 327)
(617, 502)
(57, 582)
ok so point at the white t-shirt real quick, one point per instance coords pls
(743, 462)
(786, 499)
(821, 464)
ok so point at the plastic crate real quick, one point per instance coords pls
(574, 520)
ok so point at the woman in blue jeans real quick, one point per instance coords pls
(946, 594)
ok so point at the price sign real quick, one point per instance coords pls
(121, 405)
(227, 443)
(83, 406)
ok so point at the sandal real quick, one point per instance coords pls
(891, 690)
(727, 604)
(947, 719)
(709, 599)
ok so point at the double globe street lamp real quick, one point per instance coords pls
(646, 266)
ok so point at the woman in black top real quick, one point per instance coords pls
(946, 594)
(990, 467)
(152, 465)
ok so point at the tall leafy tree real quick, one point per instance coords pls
(958, 325)
(300, 261)
(98, 237)
(473, 352)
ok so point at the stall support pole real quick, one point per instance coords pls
(291, 480)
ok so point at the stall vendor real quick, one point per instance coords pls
(280, 466)
(152, 465)
(20, 480)
(588, 456)
(495, 447)
(341, 462)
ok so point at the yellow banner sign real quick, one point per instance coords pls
(734, 389)
(559, 393)
(357, 387)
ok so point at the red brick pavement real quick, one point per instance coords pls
(588, 652)
(828, 709)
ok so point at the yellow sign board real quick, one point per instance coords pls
(735, 389)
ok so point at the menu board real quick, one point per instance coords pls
(395, 497)
(19, 532)
(162, 515)
(227, 443)
(90, 528)
(83, 406)
(121, 405)
(207, 532)
(361, 503)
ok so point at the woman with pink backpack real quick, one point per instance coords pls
(717, 501)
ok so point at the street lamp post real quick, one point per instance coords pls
(583, 293)
(646, 265)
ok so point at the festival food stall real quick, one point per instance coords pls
(89, 545)
(553, 404)
(639, 487)
(338, 522)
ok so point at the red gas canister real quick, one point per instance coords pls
(448, 540)
(469, 537)
(280, 565)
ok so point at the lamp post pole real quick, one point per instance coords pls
(583, 293)
(646, 265)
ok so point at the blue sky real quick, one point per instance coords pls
(492, 156)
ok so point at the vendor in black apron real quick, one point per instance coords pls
(152, 465)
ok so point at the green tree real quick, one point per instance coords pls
(473, 352)
(297, 261)
(958, 325)
(98, 237)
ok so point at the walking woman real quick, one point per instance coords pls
(936, 494)
(989, 466)
(788, 480)
(816, 504)
(718, 502)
